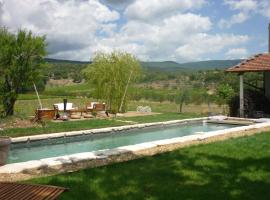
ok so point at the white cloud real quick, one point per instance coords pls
(203, 44)
(235, 19)
(243, 5)
(157, 41)
(69, 25)
(245, 8)
(151, 9)
(154, 30)
(237, 53)
(264, 8)
(1, 12)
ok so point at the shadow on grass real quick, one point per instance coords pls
(183, 174)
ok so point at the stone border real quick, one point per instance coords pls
(27, 139)
(73, 162)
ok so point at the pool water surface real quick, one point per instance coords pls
(88, 143)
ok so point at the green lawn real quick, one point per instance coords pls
(53, 127)
(160, 117)
(237, 169)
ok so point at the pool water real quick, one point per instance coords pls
(87, 143)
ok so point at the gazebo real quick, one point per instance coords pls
(257, 63)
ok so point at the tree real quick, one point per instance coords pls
(111, 74)
(21, 60)
(224, 93)
(182, 97)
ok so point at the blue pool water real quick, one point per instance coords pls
(78, 144)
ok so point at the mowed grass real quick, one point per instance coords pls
(235, 169)
(54, 127)
(160, 117)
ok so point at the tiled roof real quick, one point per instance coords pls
(257, 63)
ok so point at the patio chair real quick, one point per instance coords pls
(96, 106)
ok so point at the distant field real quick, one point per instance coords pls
(69, 90)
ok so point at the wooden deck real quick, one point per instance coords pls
(19, 191)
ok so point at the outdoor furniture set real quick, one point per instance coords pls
(65, 111)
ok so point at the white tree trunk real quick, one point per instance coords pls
(39, 101)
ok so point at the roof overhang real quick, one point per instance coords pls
(257, 63)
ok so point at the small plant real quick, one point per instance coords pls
(94, 113)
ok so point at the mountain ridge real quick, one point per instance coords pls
(168, 65)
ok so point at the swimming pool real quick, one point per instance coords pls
(86, 143)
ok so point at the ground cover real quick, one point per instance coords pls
(234, 169)
(54, 127)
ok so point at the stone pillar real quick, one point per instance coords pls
(267, 85)
(4, 148)
(241, 108)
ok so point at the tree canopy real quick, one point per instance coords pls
(111, 74)
(21, 60)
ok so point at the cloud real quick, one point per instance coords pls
(181, 37)
(118, 4)
(151, 30)
(245, 8)
(235, 19)
(152, 9)
(157, 41)
(264, 8)
(69, 25)
(243, 5)
(1, 12)
(237, 53)
(203, 44)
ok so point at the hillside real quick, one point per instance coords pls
(55, 61)
(201, 65)
(210, 64)
(165, 65)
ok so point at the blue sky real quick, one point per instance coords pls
(153, 30)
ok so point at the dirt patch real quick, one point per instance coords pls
(17, 123)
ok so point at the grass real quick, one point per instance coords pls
(234, 169)
(54, 127)
(70, 90)
(27, 107)
(160, 117)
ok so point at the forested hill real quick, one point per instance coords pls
(55, 61)
(165, 65)
(201, 65)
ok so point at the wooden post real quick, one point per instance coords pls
(241, 110)
(125, 92)
(39, 101)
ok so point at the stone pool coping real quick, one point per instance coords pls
(26, 139)
(73, 162)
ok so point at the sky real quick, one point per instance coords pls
(152, 30)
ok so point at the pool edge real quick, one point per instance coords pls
(74, 162)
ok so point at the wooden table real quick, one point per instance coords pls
(45, 114)
(18, 191)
